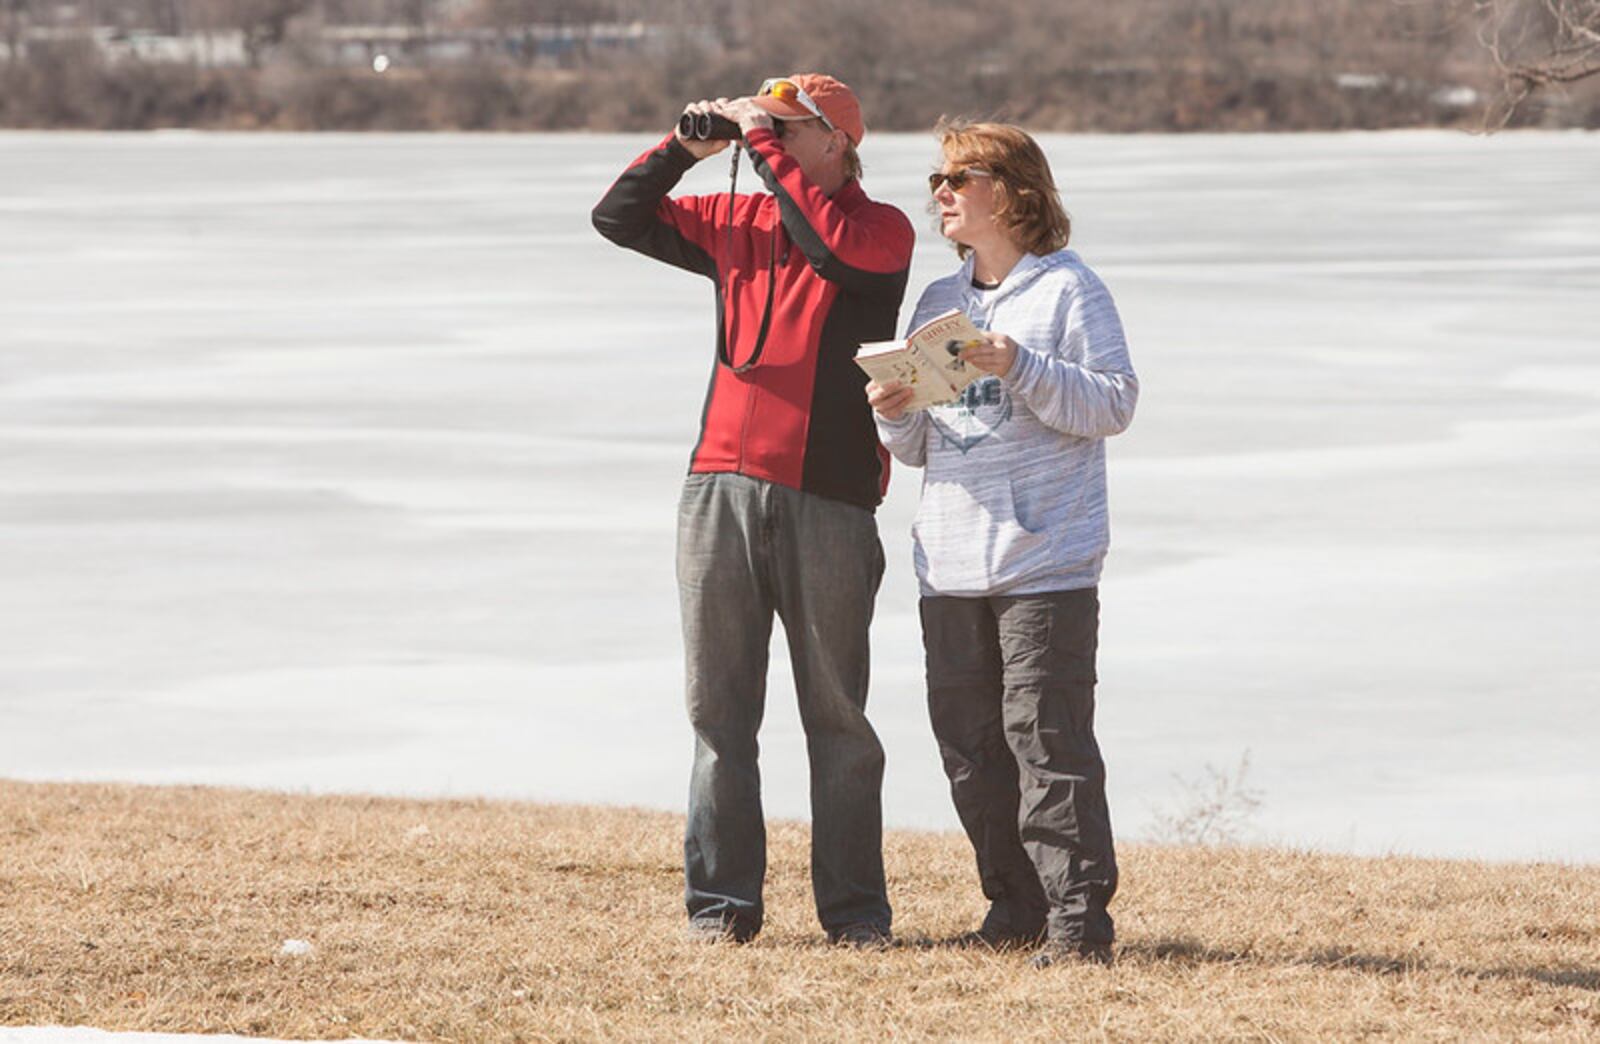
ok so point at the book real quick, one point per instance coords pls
(927, 360)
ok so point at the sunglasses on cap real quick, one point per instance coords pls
(789, 91)
(956, 179)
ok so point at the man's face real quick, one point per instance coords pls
(808, 142)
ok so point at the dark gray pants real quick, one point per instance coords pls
(1011, 693)
(748, 549)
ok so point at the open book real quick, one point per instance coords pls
(926, 360)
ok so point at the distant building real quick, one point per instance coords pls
(355, 46)
(358, 45)
(217, 50)
(207, 50)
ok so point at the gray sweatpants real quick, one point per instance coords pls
(749, 549)
(1011, 694)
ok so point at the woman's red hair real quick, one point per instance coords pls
(1027, 204)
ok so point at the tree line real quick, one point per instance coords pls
(1065, 65)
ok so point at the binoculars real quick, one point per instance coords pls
(707, 126)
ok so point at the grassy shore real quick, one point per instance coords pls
(142, 908)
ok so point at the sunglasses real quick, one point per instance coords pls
(789, 91)
(956, 179)
(784, 128)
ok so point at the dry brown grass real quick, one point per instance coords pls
(165, 908)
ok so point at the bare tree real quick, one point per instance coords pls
(1537, 46)
(13, 26)
(263, 23)
(266, 24)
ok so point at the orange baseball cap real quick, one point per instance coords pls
(787, 97)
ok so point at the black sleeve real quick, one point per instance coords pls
(636, 213)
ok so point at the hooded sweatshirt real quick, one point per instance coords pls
(1014, 481)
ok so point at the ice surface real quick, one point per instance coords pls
(350, 463)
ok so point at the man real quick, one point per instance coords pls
(777, 510)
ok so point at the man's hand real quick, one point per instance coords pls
(743, 111)
(889, 399)
(747, 114)
(995, 355)
(697, 148)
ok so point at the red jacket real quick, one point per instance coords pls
(836, 268)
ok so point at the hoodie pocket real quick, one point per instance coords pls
(970, 541)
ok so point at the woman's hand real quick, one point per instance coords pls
(889, 400)
(995, 355)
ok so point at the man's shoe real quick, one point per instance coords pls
(1054, 953)
(716, 930)
(862, 937)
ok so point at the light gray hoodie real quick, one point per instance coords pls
(1014, 487)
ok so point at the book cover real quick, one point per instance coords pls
(928, 360)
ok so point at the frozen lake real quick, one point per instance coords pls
(342, 463)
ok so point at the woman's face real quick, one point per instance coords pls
(966, 214)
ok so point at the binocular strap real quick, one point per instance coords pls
(724, 353)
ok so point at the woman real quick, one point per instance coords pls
(1009, 539)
